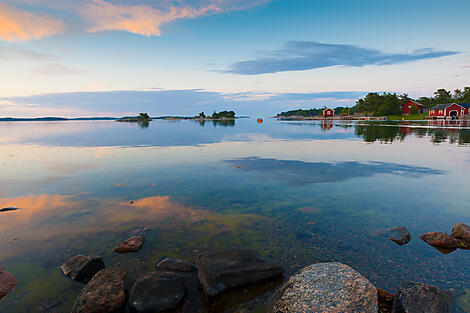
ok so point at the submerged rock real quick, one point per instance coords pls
(8, 282)
(461, 232)
(221, 271)
(133, 244)
(441, 241)
(399, 235)
(104, 293)
(416, 297)
(385, 301)
(156, 292)
(176, 265)
(325, 287)
(82, 268)
(9, 209)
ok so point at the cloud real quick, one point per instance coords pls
(9, 53)
(17, 25)
(143, 17)
(137, 19)
(307, 55)
(56, 69)
(181, 102)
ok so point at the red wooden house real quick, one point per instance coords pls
(449, 111)
(408, 107)
(328, 113)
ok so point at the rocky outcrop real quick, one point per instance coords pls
(441, 241)
(156, 292)
(221, 271)
(133, 244)
(461, 232)
(175, 265)
(325, 287)
(416, 297)
(82, 268)
(104, 293)
(8, 282)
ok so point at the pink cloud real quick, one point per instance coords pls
(138, 19)
(17, 25)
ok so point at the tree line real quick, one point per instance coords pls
(383, 104)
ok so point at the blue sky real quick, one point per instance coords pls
(257, 57)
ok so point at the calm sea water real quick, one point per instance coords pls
(297, 192)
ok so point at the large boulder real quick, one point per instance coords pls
(104, 293)
(461, 232)
(440, 241)
(82, 268)
(156, 292)
(175, 265)
(325, 287)
(221, 271)
(133, 244)
(8, 282)
(413, 297)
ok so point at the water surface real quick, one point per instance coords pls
(297, 192)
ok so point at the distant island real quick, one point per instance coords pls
(53, 119)
(142, 118)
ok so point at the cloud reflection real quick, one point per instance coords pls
(299, 173)
(54, 219)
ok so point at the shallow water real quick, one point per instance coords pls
(297, 192)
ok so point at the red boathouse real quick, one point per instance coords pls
(449, 111)
(411, 105)
(328, 113)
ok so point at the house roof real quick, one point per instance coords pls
(446, 105)
(417, 103)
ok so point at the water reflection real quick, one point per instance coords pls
(455, 132)
(215, 123)
(51, 219)
(299, 173)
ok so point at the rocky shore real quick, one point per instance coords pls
(321, 287)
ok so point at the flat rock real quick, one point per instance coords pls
(82, 268)
(8, 282)
(133, 244)
(221, 271)
(399, 235)
(176, 265)
(441, 241)
(8, 209)
(325, 287)
(156, 292)
(103, 294)
(413, 297)
(461, 232)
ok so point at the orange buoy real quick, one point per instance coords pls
(259, 120)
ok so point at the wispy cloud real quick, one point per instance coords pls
(307, 55)
(57, 69)
(18, 25)
(9, 53)
(178, 102)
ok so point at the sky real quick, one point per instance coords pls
(257, 57)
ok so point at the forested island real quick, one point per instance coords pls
(387, 104)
